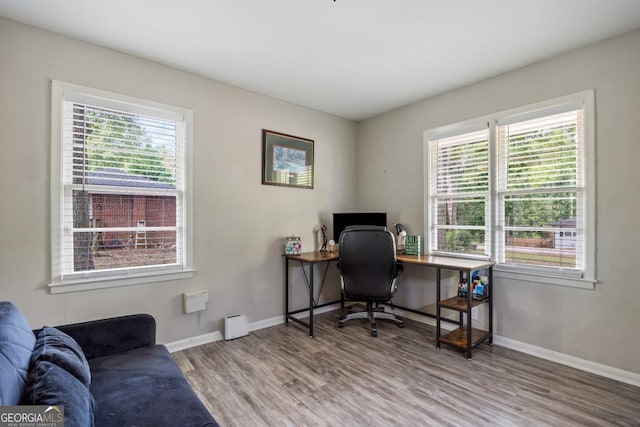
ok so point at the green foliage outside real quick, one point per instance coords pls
(530, 170)
(542, 209)
(113, 141)
(117, 141)
(460, 240)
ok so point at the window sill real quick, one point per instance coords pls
(103, 283)
(502, 272)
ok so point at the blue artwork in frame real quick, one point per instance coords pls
(287, 160)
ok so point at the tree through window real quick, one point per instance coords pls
(122, 207)
(514, 188)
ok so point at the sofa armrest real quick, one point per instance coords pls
(105, 337)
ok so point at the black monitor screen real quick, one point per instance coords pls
(344, 220)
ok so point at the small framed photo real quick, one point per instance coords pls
(287, 160)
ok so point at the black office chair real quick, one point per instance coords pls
(368, 271)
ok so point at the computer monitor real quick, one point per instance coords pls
(344, 220)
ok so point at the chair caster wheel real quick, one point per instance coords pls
(374, 333)
(401, 325)
(340, 325)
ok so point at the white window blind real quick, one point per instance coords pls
(520, 192)
(540, 191)
(460, 193)
(122, 199)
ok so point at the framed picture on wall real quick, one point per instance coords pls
(287, 160)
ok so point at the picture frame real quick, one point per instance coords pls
(287, 160)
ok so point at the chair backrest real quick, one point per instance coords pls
(368, 266)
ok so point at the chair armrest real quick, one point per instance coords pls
(105, 337)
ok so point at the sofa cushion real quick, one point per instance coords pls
(104, 337)
(60, 349)
(50, 384)
(16, 344)
(144, 387)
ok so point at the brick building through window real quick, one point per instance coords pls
(144, 213)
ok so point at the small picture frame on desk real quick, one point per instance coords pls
(287, 160)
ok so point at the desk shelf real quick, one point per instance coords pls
(458, 337)
(460, 303)
(465, 337)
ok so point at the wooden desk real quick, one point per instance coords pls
(462, 338)
(310, 258)
(446, 263)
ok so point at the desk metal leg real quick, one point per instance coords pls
(461, 314)
(438, 307)
(490, 298)
(286, 291)
(469, 302)
(311, 302)
(309, 280)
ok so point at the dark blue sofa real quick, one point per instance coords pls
(106, 372)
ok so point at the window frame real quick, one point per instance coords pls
(468, 128)
(62, 92)
(555, 276)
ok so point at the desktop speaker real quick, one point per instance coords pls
(235, 327)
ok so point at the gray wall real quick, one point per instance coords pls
(239, 224)
(597, 325)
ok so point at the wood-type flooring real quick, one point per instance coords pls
(278, 376)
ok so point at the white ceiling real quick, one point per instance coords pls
(351, 58)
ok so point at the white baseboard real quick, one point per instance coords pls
(621, 375)
(606, 371)
(194, 341)
(253, 326)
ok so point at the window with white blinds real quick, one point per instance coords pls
(540, 191)
(520, 191)
(121, 185)
(460, 193)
